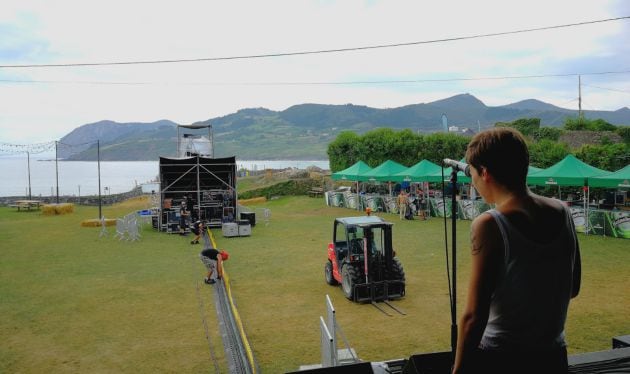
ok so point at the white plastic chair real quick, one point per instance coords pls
(104, 231)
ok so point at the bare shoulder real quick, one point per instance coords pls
(483, 221)
(485, 233)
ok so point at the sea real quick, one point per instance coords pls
(81, 178)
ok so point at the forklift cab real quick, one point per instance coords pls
(351, 233)
(362, 260)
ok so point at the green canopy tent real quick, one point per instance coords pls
(533, 169)
(385, 172)
(568, 172)
(617, 179)
(423, 171)
(353, 173)
(462, 177)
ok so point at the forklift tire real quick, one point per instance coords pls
(397, 270)
(349, 277)
(328, 273)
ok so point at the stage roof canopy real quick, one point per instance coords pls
(192, 174)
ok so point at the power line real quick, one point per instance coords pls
(322, 51)
(306, 83)
(604, 88)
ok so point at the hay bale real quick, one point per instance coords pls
(97, 222)
(57, 209)
(255, 200)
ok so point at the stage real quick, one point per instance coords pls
(610, 362)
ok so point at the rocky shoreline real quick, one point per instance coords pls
(91, 200)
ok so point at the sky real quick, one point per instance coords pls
(40, 104)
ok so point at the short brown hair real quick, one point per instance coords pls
(503, 152)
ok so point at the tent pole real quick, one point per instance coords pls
(587, 197)
(233, 176)
(198, 192)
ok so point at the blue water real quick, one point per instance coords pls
(81, 177)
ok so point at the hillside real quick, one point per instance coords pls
(303, 131)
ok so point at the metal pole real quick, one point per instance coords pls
(580, 98)
(79, 194)
(178, 142)
(454, 256)
(98, 158)
(28, 158)
(211, 136)
(332, 328)
(198, 191)
(57, 168)
(587, 222)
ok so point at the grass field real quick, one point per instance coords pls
(73, 302)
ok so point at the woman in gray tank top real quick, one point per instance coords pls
(525, 267)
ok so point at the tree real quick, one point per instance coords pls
(546, 153)
(406, 147)
(580, 123)
(609, 157)
(376, 146)
(624, 132)
(575, 124)
(549, 133)
(601, 125)
(343, 152)
(526, 126)
(439, 146)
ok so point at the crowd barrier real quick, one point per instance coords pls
(615, 223)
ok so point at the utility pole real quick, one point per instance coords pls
(28, 160)
(98, 157)
(57, 167)
(580, 97)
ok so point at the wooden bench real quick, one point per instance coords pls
(316, 191)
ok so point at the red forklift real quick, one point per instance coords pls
(362, 259)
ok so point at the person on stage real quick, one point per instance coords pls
(183, 214)
(525, 267)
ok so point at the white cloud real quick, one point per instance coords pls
(79, 31)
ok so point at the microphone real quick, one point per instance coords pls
(457, 165)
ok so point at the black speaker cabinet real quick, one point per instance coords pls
(621, 341)
(250, 216)
(360, 368)
(430, 363)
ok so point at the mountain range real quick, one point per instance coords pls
(302, 132)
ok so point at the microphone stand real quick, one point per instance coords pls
(454, 265)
